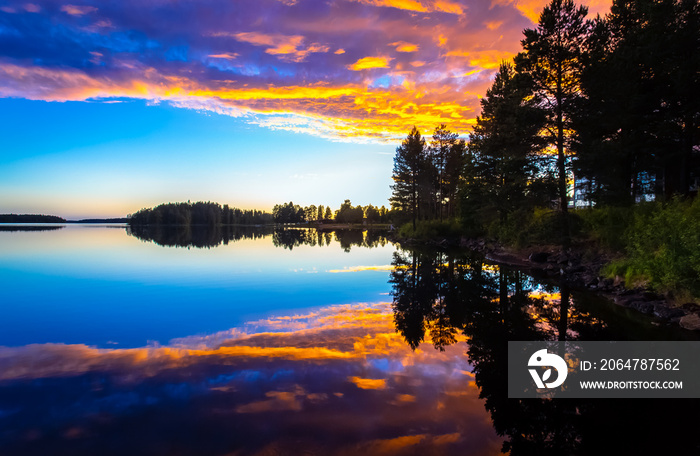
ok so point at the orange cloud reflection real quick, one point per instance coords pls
(318, 373)
(368, 383)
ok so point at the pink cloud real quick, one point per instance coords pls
(364, 70)
(78, 10)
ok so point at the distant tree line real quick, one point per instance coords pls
(347, 213)
(200, 214)
(30, 218)
(213, 214)
(591, 112)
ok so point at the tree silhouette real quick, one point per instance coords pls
(409, 175)
(552, 58)
(505, 150)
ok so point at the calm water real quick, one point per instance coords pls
(220, 342)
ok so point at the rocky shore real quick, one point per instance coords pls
(581, 271)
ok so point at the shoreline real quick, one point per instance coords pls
(580, 271)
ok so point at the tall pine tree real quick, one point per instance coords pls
(504, 149)
(552, 59)
(409, 175)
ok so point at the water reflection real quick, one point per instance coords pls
(207, 236)
(204, 236)
(443, 299)
(15, 228)
(335, 381)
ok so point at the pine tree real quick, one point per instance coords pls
(552, 59)
(408, 175)
(504, 151)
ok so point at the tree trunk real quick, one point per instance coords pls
(561, 163)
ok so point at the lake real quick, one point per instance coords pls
(248, 341)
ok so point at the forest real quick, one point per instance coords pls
(589, 135)
(199, 213)
(30, 218)
(213, 214)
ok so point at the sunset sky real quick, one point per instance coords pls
(108, 107)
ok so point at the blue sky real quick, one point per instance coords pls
(78, 159)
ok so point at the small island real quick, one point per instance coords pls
(30, 218)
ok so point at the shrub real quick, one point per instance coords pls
(606, 226)
(431, 229)
(663, 248)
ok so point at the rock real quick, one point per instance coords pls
(690, 307)
(665, 312)
(562, 259)
(691, 321)
(574, 262)
(591, 282)
(538, 257)
(643, 307)
(623, 301)
(650, 296)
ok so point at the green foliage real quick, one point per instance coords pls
(533, 226)
(409, 176)
(502, 174)
(641, 113)
(288, 213)
(447, 153)
(349, 214)
(612, 103)
(552, 59)
(431, 229)
(606, 225)
(663, 247)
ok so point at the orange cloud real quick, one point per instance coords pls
(386, 267)
(403, 46)
(533, 8)
(288, 47)
(423, 6)
(366, 63)
(368, 383)
(448, 7)
(484, 59)
(279, 401)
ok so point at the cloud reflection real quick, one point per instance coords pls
(337, 380)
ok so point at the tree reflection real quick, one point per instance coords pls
(15, 228)
(204, 236)
(207, 236)
(437, 297)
